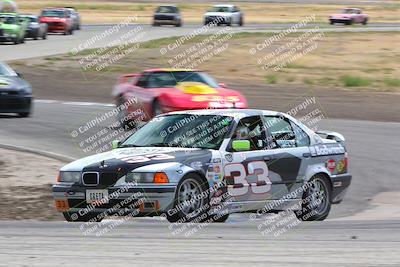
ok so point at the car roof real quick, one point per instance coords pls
(170, 70)
(237, 113)
(224, 5)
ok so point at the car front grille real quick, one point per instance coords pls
(102, 179)
(90, 178)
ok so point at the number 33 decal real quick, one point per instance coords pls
(258, 168)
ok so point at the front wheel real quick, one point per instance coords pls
(241, 22)
(191, 200)
(316, 202)
(365, 22)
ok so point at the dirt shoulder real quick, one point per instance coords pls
(25, 193)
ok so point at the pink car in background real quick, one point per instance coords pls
(349, 16)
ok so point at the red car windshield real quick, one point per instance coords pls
(53, 13)
(171, 79)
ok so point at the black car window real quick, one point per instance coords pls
(167, 9)
(250, 128)
(280, 132)
(302, 138)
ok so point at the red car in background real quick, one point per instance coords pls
(349, 16)
(58, 20)
(157, 91)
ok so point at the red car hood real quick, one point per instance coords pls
(51, 19)
(194, 95)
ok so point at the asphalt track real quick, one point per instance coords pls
(60, 44)
(342, 240)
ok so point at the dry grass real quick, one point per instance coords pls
(346, 60)
(103, 12)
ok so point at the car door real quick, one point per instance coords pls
(246, 172)
(291, 156)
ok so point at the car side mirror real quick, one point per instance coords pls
(19, 74)
(241, 145)
(115, 144)
(222, 85)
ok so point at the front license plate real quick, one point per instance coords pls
(96, 196)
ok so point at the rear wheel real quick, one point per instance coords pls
(316, 200)
(241, 21)
(157, 109)
(24, 114)
(191, 200)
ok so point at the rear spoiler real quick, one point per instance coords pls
(126, 77)
(332, 136)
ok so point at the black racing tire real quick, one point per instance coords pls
(316, 200)
(178, 24)
(16, 41)
(24, 114)
(350, 22)
(71, 31)
(241, 23)
(219, 219)
(36, 37)
(332, 22)
(126, 124)
(157, 109)
(78, 27)
(44, 36)
(189, 186)
(156, 24)
(365, 22)
(93, 217)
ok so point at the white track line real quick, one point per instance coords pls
(72, 103)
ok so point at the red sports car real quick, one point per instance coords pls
(349, 16)
(57, 20)
(156, 91)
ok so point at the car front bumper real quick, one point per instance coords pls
(15, 103)
(340, 20)
(149, 200)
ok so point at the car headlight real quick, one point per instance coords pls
(69, 177)
(25, 89)
(146, 177)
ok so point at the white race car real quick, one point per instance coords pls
(224, 14)
(204, 165)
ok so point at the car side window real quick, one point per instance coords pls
(280, 131)
(302, 138)
(250, 128)
(142, 81)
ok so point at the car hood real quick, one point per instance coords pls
(220, 14)
(4, 26)
(13, 82)
(127, 159)
(51, 19)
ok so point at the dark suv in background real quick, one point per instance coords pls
(167, 15)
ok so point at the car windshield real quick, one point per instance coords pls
(182, 130)
(8, 19)
(219, 9)
(5, 70)
(171, 79)
(32, 19)
(166, 9)
(347, 11)
(53, 13)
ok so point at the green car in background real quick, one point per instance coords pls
(12, 28)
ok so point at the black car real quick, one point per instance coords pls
(15, 92)
(35, 29)
(167, 15)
